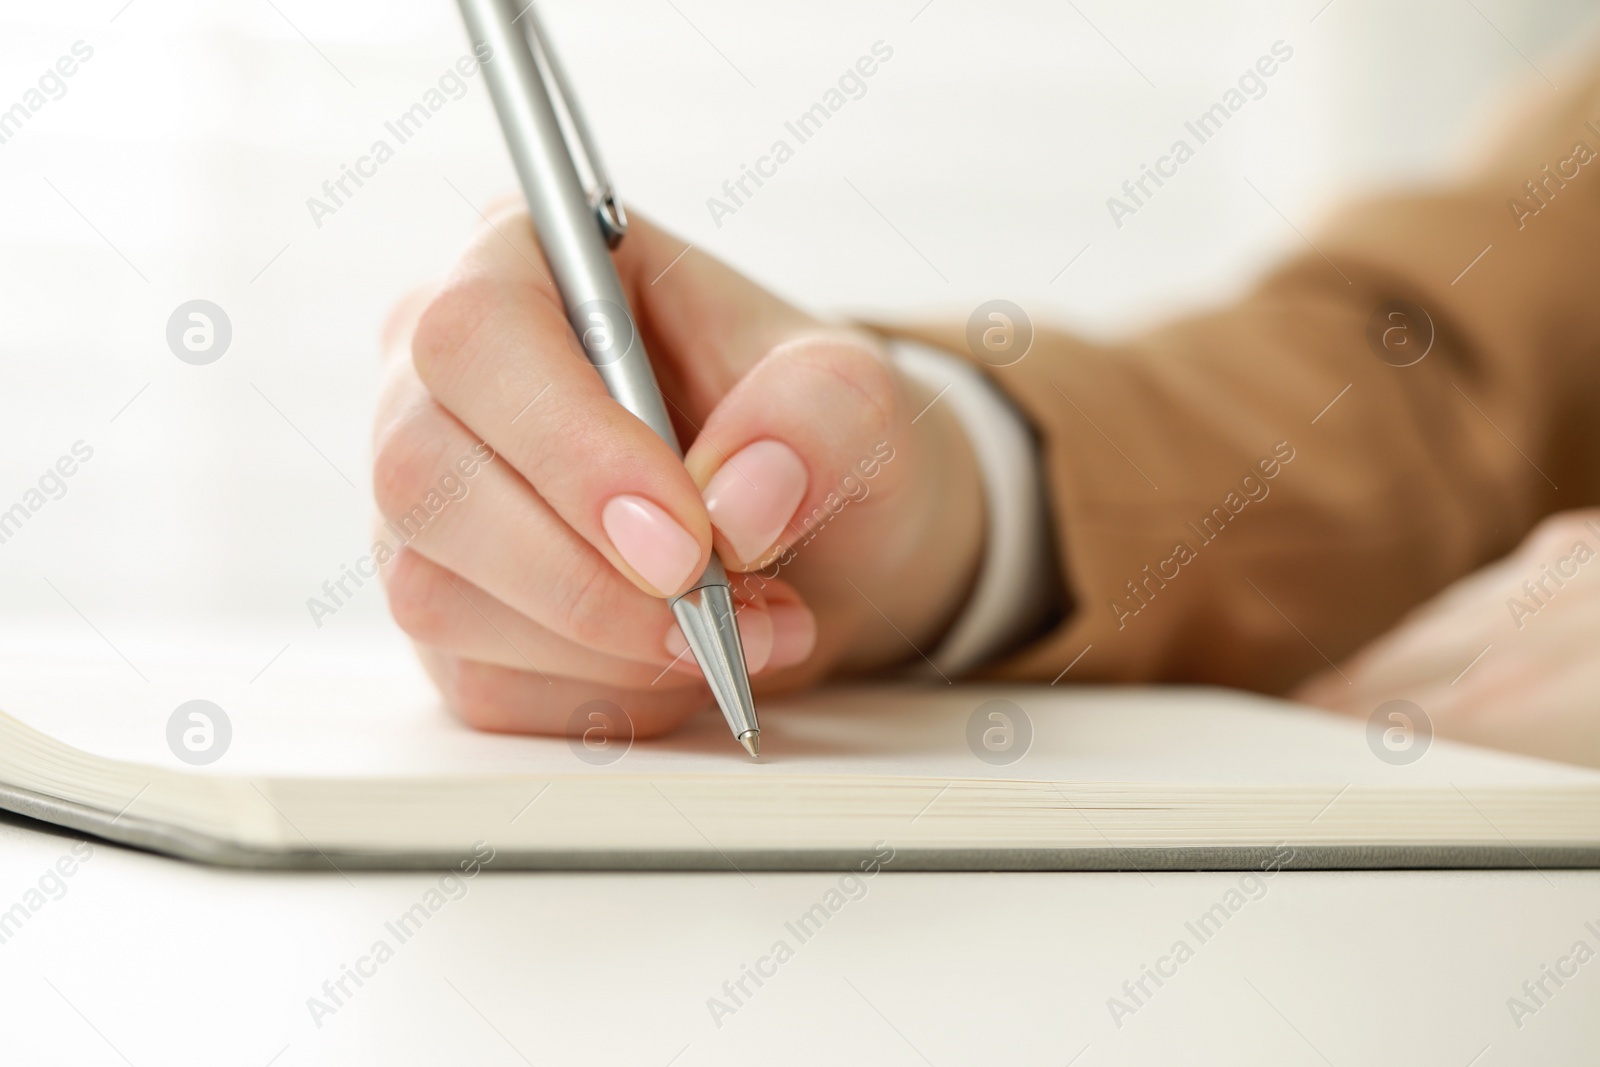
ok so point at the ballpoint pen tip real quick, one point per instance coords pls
(751, 740)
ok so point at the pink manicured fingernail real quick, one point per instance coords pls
(755, 633)
(654, 545)
(794, 634)
(753, 496)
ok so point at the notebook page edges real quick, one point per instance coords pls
(113, 791)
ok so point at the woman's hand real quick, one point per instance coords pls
(1508, 657)
(541, 527)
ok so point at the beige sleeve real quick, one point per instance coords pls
(1244, 496)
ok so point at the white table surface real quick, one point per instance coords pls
(145, 960)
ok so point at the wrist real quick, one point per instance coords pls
(1015, 588)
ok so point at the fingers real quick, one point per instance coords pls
(395, 334)
(1452, 650)
(537, 525)
(495, 349)
(441, 609)
(801, 431)
(447, 612)
(451, 499)
(488, 696)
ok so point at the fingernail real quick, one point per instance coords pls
(651, 541)
(794, 634)
(753, 496)
(755, 634)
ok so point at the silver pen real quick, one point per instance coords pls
(577, 231)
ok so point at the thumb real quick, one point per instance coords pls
(803, 430)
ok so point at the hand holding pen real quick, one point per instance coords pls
(846, 510)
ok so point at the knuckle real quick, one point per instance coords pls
(402, 317)
(406, 461)
(417, 598)
(443, 336)
(480, 698)
(496, 699)
(861, 369)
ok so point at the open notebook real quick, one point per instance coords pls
(342, 757)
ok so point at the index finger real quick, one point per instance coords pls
(495, 348)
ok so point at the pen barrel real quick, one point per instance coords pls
(575, 246)
(567, 227)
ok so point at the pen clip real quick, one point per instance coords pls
(603, 198)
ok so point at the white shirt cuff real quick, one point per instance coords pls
(1011, 592)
